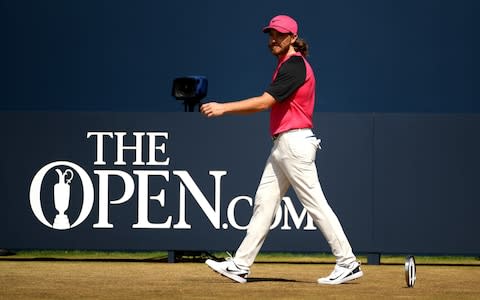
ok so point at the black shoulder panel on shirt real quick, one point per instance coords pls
(290, 77)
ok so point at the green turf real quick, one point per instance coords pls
(83, 254)
(262, 257)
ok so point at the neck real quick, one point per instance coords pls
(289, 53)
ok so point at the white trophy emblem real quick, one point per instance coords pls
(61, 197)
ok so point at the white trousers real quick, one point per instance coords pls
(292, 163)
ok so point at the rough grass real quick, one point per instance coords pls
(262, 257)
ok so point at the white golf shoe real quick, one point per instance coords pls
(342, 274)
(229, 269)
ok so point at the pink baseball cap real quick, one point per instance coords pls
(283, 24)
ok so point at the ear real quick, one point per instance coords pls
(294, 39)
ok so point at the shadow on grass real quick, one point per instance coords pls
(260, 279)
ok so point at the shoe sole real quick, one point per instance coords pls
(352, 277)
(343, 280)
(213, 265)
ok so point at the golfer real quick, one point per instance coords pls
(290, 98)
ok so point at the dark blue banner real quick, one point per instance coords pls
(180, 181)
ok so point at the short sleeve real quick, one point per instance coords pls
(290, 77)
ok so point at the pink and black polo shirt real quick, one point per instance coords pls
(293, 88)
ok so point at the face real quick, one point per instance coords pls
(280, 43)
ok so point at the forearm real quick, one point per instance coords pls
(246, 106)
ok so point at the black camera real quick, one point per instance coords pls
(191, 90)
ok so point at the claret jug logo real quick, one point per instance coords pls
(58, 187)
(61, 194)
